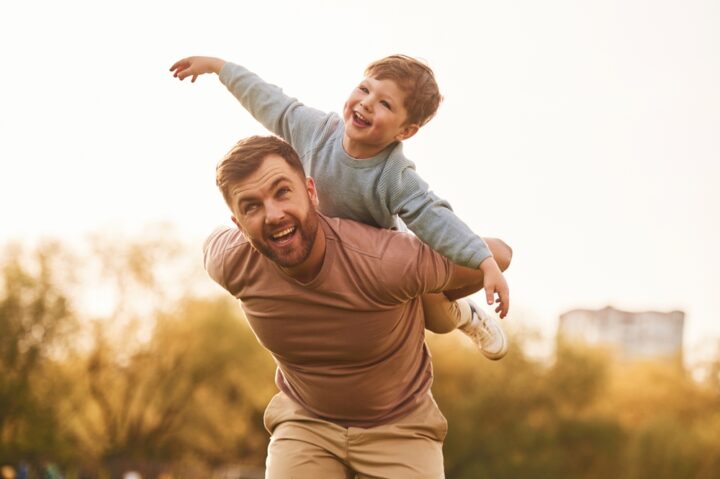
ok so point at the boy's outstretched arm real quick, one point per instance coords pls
(195, 66)
(267, 103)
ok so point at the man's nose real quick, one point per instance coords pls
(273, 212)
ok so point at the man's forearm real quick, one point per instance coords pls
(466, 281)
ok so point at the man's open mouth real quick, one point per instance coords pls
(283, 236)
(360, 120)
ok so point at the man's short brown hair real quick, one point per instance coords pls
(247, 156)
(416, 79)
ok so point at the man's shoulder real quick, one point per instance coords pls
(392, 266)
(370, 241)
(224, 238)
(224, 245)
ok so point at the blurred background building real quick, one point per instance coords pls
(634, 335)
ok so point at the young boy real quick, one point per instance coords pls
(361, 172)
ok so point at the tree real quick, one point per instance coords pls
(35, 320)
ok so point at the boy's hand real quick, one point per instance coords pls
(194, 66)
(494, 283)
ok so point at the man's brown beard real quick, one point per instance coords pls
(307, 231)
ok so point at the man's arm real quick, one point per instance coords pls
(214, 249)
(466, 281)
(401, 267)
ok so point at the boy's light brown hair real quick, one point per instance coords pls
(246, 157)
(416, 79)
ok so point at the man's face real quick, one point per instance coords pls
(375, 114)
(275, 210)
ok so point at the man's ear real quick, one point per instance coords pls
(312, 192)
(237, 223)
(407, 132)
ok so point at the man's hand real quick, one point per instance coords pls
(194, 66)
(494, 283)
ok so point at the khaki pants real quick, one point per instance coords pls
(305, 447)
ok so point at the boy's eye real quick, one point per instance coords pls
(363, 89)
(385, 104)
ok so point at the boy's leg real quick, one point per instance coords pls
(443, 316)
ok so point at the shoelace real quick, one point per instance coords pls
(481, 329)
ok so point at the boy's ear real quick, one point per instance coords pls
(407, 132)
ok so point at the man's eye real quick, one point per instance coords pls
(249, 208)
(283, 191)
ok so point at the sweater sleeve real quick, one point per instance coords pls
(283, 115)
(433, 221)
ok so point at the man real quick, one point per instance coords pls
(337, 303)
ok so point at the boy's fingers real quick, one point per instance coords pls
(175, 65)
(505, 303)
(194, 78)
(490, 295)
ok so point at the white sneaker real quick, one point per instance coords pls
(486, 333)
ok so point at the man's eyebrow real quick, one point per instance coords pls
(244, 198)
(278, 181)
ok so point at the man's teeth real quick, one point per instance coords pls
(284, 232)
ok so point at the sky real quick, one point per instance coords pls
(585, 134)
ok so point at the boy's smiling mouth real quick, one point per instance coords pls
(360, 120)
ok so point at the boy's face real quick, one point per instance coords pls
(375, 117)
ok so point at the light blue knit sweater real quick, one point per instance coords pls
(375, 190)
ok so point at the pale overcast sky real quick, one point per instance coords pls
(586, 134)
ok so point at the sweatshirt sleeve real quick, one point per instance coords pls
(283, 115)
(433, 221)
